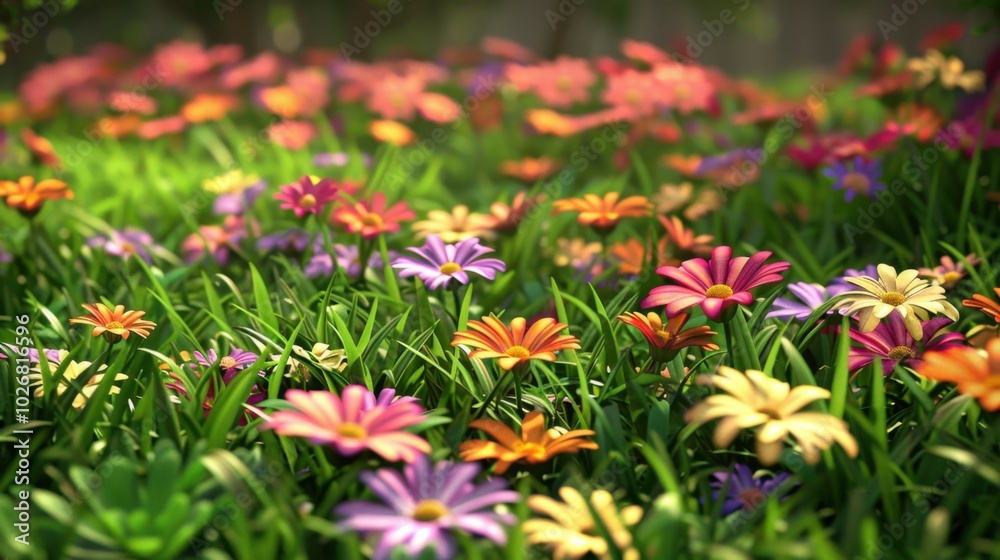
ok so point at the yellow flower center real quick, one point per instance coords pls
(351, 430)
(663, 336)
(633, 97)
(751, 497)
(857, 182)
(370, 219)
(901, 352)
(114, 326)
(450, 268)
(518, 352)
(128, 248)
(227, 362)
(951, 278)
(720, 291)
(564, 82)
(307, 201)
(532, 450)
(429, 510)
(894, 299)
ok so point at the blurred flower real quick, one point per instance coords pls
(240, 202)
(633, 255)
(912, 298)
(572, 531)
(666, 340)
(577, 253)
(180, 62)
(425, 505)
(27, 197)
(546, 121)
(230, 182)
(236, 361)
(534, 446)
(394, 97)
(950, 71)
(374, 218)
(948, 273)
(684, 240)
(530, 170)
(892, 344)
(975, 372)
(156, 128)
(603, 213)
(205, 107)
(639, 93)
(306, 197)
(756, 400)
(391, 132)
(438, 108)
(743, 490)
(672, 197)
(922, 121)
(862, 179)
(684, 88)
(518, 344)
(456, 225)
(125, 243)
(646, 53)
(41, 149)
(507, 218)
(265, 67)
(438, 264)
(114, 324)
(942, 36)
(716, 284)
(288, 241)
(985, 304)
(708, 201)
(128, 102)
(811, 297)
(339, 159)
(219, 241)
(559, 83)
(281, 100)
(353, 421)
(506, 49)
(69, 378)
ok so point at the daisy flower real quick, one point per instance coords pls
(743, 489)
(437, 263)
(571, 529)
(391, 132)
(753, 399)
(535, 444)
(666, 340)
(27, 197)
(863, 178)
(716, 284)
(975, 372)
(307, 197)
(125, 244)
(205, 107)
(518, 344)
(603, 213)
(530, 170)
(985, 304)
(684, 240)
(892, 344)
(115, 324)
(353, 421)
(425, 505)
(71, 373)
(456, 225)
(508, 217)
(948, 273)
(810, 298)
(371, 219)
(41, 149)
(914, 299)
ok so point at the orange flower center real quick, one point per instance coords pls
(857, 182)
(751, 497)
(518, 352)
(663, 336)
(951, 278)
(564, 82)
(114, 326)
(370, 219)
(450, 268)
(901, 352)
(227, 363)
(351, 430)
(429, 510)
(894, 299)
(128, 248)
(720, 291)
(633, 97)
(307, 201)
(532, 451)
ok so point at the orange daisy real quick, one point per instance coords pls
(27, 197)
(530, 170)
(603, 213)
(985, 304)
(975, 372)
(633, 255)
(518, 344)
(535, 445)
(283, 101)
(391, 132)
(206, 107)
(41, 149)
(114, 324)
(666, 340)
(547, 121)
(371, 219)
(684, 239)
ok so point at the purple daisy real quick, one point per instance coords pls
(744, 491)
(125, 243)
(439, 263)
(892, 344)
(288, 241)
(348, 259)
(236, 361)
(52, 356)
(811, 297)
(424, 505)
(862, 178)
(238, 203)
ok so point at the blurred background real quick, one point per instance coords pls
(743, 37)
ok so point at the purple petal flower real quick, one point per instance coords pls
(811, 297)
(339, 159)
(125, 243)
(862, 178)
(744, 490)
(288, 241)
(437, 263)
(240, 202)
(423, 506)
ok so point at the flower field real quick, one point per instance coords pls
(494, 305)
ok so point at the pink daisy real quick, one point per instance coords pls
(305, 197)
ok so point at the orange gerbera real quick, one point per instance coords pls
(666, 340)
(518, 344)
(546, 121)
(371, 219)
(116, 324)
(391, 132)
(633, 255)
(282, 101)
(985, 304)
(206, 107)
(530, 170)
(603, 213)
(506, 217)
(684, 240)
(535, 445)
(27, 197)
(41, 149)
(975, 372)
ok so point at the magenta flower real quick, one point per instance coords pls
(238, 203)
(715, 284)
(353, 422)
(892, 344)
(230, 366)
(305, 197)
(237, 360)
(425, 504)
(439, 263)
